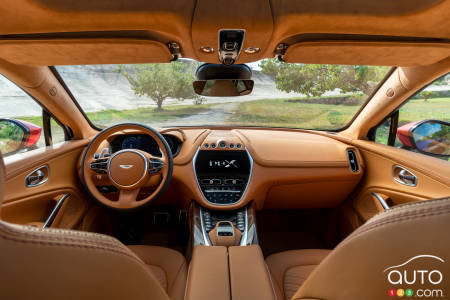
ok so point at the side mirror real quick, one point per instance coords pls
(431, 137)
(17, 135)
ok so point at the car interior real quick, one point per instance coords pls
(99, 201)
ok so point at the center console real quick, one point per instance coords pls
(227, 262)
(224, 227)
(223, 169)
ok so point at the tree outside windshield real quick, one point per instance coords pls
(323, 97)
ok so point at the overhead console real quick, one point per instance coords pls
(211, 18)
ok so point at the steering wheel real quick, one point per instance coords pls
(128, 170)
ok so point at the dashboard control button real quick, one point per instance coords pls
(239, 146)
(155, 165)
(206, 145)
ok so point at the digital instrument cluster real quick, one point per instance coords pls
(145, 143)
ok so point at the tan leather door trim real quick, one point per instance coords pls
(24, 205)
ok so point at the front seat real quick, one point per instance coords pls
(289, 269)
(51, 264)
(404, 251)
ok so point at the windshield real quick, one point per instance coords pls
(308, 96)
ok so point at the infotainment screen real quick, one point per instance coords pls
(224, 162)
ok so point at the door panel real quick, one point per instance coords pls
(33, 205)
(433, 178)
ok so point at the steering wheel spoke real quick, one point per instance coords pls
(127, 197)
(99, 165)
(155, 165)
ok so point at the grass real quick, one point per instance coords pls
(270, 112)
(146, 115)
(281, 113)
(418, 109)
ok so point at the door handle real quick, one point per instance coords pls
(55, 211)
(381, 200)
(404, 176)
(37, 177)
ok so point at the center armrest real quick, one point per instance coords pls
(208, 274)
(249, 276)
(221, 273)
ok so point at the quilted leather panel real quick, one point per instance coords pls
(294, 278)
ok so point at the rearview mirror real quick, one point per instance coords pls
(431, 137)
(17, 135)
(216, 80)
(223, 88)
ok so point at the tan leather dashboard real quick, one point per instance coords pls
(290, 169)
(293, 149)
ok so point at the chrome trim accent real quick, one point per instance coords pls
(395, 167)
(381, 200)
(221, 229)
(122, 151)
(40, 182)
(55, 211)
(205, 238)
(244, 241)
(126, 166)
(243, 192)
(222, 191)
(103, 153)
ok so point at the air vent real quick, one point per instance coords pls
(353, 160)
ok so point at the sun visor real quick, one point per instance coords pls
(50, 52)
(367, 53)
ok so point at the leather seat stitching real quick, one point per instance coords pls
(413, 204)
(46, 239)
(52, 235)
(25, 241)
(405, 215)
(390, 221)
(57, 239)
